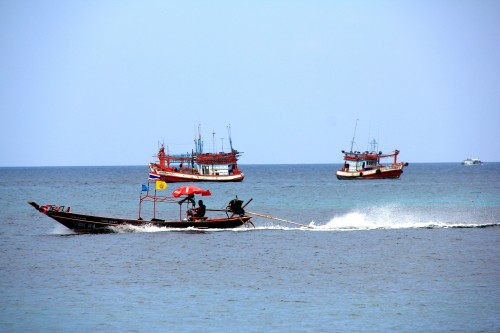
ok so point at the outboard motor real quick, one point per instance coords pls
(235, 207)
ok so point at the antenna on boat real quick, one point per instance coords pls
(229, 133)
(195, 143)
(222, 144)
(355, 127)
(373, 145)
(198, 143)
(213, 140)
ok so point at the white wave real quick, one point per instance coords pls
(59, 229)
(131, 228)
(390, 217)
(364, 221)
(150, 228)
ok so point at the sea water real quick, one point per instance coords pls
(416, 254)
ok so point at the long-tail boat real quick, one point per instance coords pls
(198, 166)
(85, 223)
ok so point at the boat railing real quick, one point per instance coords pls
(155, 199)
(188, 171)
(179, 156)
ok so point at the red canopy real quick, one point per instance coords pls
(190, 189)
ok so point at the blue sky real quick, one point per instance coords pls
(101, 82)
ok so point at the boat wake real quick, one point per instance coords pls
(62, 230)
(394, 218)
(150, 228)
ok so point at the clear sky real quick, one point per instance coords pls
(100, 82)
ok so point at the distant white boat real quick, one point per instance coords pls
(472, 161)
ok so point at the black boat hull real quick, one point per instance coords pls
(82, 223)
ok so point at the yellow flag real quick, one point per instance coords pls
(161, 185)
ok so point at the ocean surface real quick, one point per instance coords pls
(417, 254)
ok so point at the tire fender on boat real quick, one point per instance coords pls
(378, 172)
(361, 174)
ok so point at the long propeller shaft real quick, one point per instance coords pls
(278, 219)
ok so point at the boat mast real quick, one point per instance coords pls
(213, 141)
(198, 143)
(229, 134)
(373, 145)
(355, 127)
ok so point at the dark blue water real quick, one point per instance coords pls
(418, 254)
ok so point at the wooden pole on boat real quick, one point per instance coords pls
(278, 219)
(154, 204)
(140, 205)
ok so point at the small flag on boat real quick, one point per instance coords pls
(144, 188)
(161, 185)
(154, 176)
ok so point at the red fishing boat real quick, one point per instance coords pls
(367, 165)
(198, 166)
(189, 218)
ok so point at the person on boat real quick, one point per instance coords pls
(200, 211)
(197, 212)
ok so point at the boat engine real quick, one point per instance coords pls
(235, 207)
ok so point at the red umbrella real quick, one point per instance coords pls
(190, 189)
